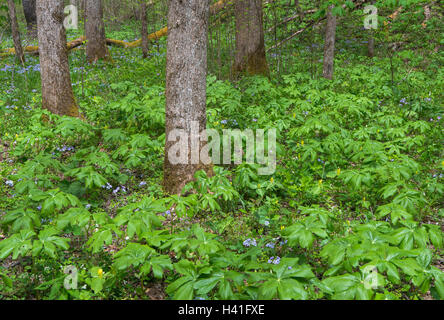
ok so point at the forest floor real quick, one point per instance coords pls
(359, 182)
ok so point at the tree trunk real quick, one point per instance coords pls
(57, 94)
(329, 45)
(16, 32)
(427, 15)
(186, 71)
(29, 9)
(250, 45)
(144, 30)
(371, 41)
(371, 46)
(95, 31)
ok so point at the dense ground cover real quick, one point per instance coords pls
(353, 211)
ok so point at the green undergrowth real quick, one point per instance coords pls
(354, 209)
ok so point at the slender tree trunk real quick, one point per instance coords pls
(95, 31)
(57, 94)
(371, 41)
(186, 71)
(299, 10)
(144, 30)
(16, 32)
(250, 45)
(371, 45)
(427, 15)
(29, 9)
(329, 45)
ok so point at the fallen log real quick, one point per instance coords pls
(35, 49)
(137, 43)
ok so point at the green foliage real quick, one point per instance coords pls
(353, 211)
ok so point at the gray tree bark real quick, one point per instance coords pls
(329, 45)
(371, 46)
(371, 41)
(144, 29)
(186, 71)
(16, 32)
(57, 94)
(95, 31)
(250, 56)
(29, 9)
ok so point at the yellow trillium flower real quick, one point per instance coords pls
(338, 171)
(282, 227)
(302, 142)
(100, 272)
(271, 180)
